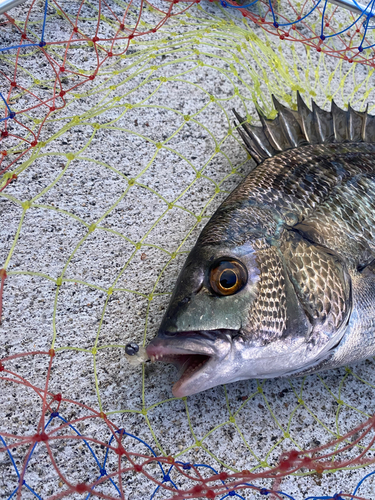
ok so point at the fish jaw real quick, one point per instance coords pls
(202, 358)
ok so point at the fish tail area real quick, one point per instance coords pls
(292, 129)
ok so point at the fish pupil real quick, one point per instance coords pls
(228, 279)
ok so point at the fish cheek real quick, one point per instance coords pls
(208, 312)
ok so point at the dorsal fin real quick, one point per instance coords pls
(292, 129)
(274, 132)
(323, 124)
(340, 122)
(290, 124)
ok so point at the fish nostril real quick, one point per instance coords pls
(167, 334)
(166, 331)
(185, 300)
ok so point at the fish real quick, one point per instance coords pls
(281, 280)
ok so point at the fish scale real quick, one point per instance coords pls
(281, 281)
(315, 187)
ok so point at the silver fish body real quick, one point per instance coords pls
(282, 279)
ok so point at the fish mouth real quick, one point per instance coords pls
(195, 355)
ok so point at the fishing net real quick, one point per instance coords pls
(101, 199)
(323, 26)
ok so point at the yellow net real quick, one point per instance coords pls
(94, 229)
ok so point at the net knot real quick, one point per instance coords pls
(263, 491)
(82, 488)
(120, 450)
(40, 437)
(54, 414)
(186, 466)
(197, 488)
(103, 472)
(166, 478)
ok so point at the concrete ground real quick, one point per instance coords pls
(129, 172)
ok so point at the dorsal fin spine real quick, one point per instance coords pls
(291, 129)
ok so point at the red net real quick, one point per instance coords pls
(116, 464)
(75, 44)
(72, 42)
(317, 24)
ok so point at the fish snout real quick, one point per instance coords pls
(170, 324)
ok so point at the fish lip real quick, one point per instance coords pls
(180, 343)
(183, 348)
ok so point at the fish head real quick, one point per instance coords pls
(256, 308)
(201, 328)
(211, 329)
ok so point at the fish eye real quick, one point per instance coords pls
(227, 277)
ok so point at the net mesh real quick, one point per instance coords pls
(317, 23)
(101, 199)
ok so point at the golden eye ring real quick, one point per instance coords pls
(227, 276)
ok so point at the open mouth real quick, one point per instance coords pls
(193, 354)
(188, 364)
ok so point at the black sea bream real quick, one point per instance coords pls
(282, 279)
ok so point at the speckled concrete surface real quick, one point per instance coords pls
(152, 159)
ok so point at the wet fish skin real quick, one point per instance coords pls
(302, 223)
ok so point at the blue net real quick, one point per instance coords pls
(118, 143)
